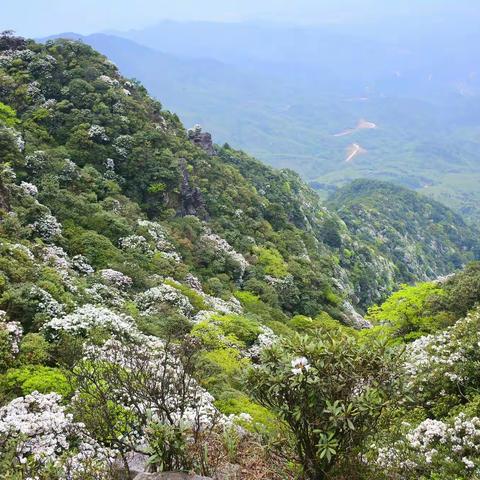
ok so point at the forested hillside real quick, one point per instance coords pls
(290, 96)
(179, 303)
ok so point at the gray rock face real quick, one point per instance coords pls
(201, 139)
(137, 463)
(192, 199)
(353, 318)
(169, 476)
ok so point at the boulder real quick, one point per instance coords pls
(137, 463)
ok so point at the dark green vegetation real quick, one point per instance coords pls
(148, 273)
(418, 235)
(284, 93)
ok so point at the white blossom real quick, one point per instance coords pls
(47, 227)
(149, 301)
(224, 248)
(98, 133)
(46, 434)
(29, 189)
(87, 317)
(80, 263)
(113, 277)
(300, 365)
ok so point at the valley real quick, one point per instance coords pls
(428, 131)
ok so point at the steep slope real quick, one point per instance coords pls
(144, 270)
(285, 104)
(420, 236)
(129, 159)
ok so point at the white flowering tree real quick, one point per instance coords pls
(39, 439)
(134, 395)
(329, 391)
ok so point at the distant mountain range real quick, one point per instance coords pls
(284, 94)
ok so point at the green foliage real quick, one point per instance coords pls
(29, 378)
(311, 384)
(34, 349)
(272, 262)
(168, 448)
(261, 417)
(6, 354)
(8, 115)
(121, 187)
(243, 328)
(195, 298)
(406, 312)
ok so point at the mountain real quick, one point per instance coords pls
(419, 235)
(145, 271)
(103, 122)
(287, 95)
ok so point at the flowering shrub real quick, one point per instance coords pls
(444, 365)
(137, 243)
(87, 317)
(126, 392)
(149, 301)
(15, 332)
(449, 449)
(118, 279)
(265, 340)
(158, 234)
(46, 437)
(104, 295)
(221, 246)
(108, 80)
(330, 393)
(81, 265)
(17, 138)
(98, 134)
(29, 189)
(45, 303)
(47, 227)
(36, 161)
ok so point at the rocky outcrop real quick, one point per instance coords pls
(201, 139)
(192, 202)
(137, 464)
(352, 318)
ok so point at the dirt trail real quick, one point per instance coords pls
(354, 150)
(361, 125)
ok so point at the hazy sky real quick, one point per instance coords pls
(43, 17)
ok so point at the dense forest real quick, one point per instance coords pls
(168, 304)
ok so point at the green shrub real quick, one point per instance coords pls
(24, 380)
(299, 380)
(34, 349)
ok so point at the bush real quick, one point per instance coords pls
(329, 391)
(34, 349)
(25, 380)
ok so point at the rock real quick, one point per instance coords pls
(169, 476)
(192, 199)
(353, 318)
(201, 139)
(137, 463)
(229, 471)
